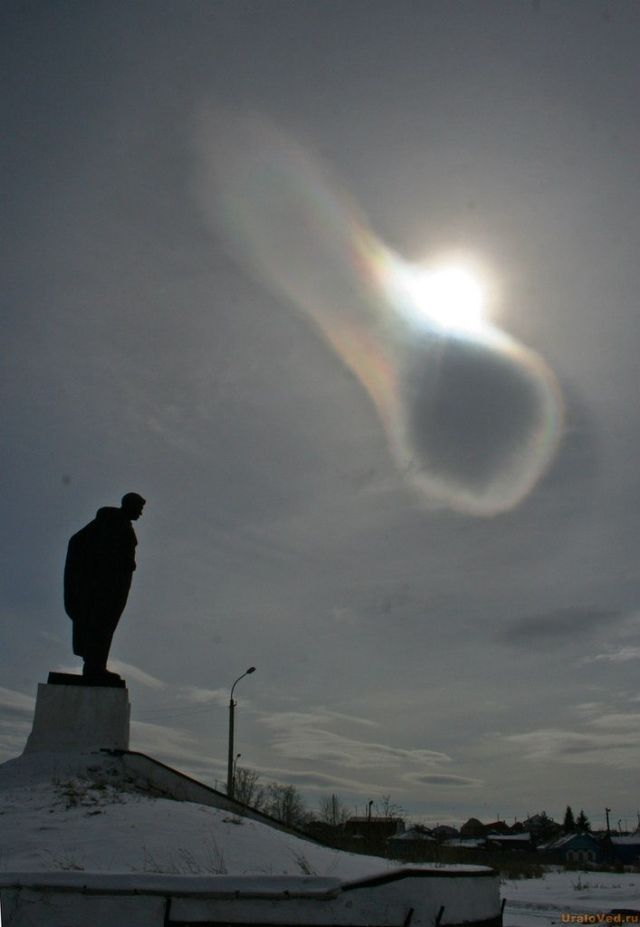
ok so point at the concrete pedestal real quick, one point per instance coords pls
(80, 717)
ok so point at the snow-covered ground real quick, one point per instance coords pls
(542, 902)
(55, 817)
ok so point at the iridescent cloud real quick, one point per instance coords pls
(473, 418)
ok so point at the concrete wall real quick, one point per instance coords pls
(157, 778)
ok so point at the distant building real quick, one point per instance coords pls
(497, 827)
(412, 844)
(473, 828)
(542, 828)
(576, 848)
(374, 828)
(444, 832)
(594, 848)
(626, 850)
(466, 843)
(518, 841)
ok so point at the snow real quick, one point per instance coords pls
(541, 902)
(81, 823)
(71, 813)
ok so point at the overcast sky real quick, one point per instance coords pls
(426, 541)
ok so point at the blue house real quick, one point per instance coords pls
(576, 848)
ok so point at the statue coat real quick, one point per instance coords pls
(97, 578)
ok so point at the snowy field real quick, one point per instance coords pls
(542, 902)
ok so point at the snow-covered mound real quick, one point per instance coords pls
(73, 812)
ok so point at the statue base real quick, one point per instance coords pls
(73, 679)
(79, 717)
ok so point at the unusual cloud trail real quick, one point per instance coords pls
(473, 418)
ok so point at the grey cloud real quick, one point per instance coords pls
(202, 696)
(318, 716)
(608, 748)
(300, 736)
(174, 746)
(316, 780)
(554, 628)
(15, 702)
(619, 655)
(134, 672)
(619, 720)
(438, 779)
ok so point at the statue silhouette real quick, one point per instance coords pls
(97, 578)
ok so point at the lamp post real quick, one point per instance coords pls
(232, 706)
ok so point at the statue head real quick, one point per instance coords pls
(132, 505)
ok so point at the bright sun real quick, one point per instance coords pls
(450, 296)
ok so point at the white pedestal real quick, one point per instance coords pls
(79, 717)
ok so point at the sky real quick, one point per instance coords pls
(221, 223)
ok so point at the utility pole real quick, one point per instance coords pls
(232, 706)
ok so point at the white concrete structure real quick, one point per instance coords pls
(79, 718)
(417, 897)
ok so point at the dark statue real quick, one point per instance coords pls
(97, 578)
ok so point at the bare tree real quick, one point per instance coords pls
(285, 803)
(247, 788)
(388, 808)
(333, 811)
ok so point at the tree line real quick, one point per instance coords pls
(286, 804)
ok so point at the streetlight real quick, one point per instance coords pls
(232, 706)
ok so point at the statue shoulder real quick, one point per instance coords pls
(81, 545)
(107, 515)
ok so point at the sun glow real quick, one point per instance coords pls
(472, 416)
(450, 296)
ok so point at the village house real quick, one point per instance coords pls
(374, 829)
(412, 844)
(575, 848)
